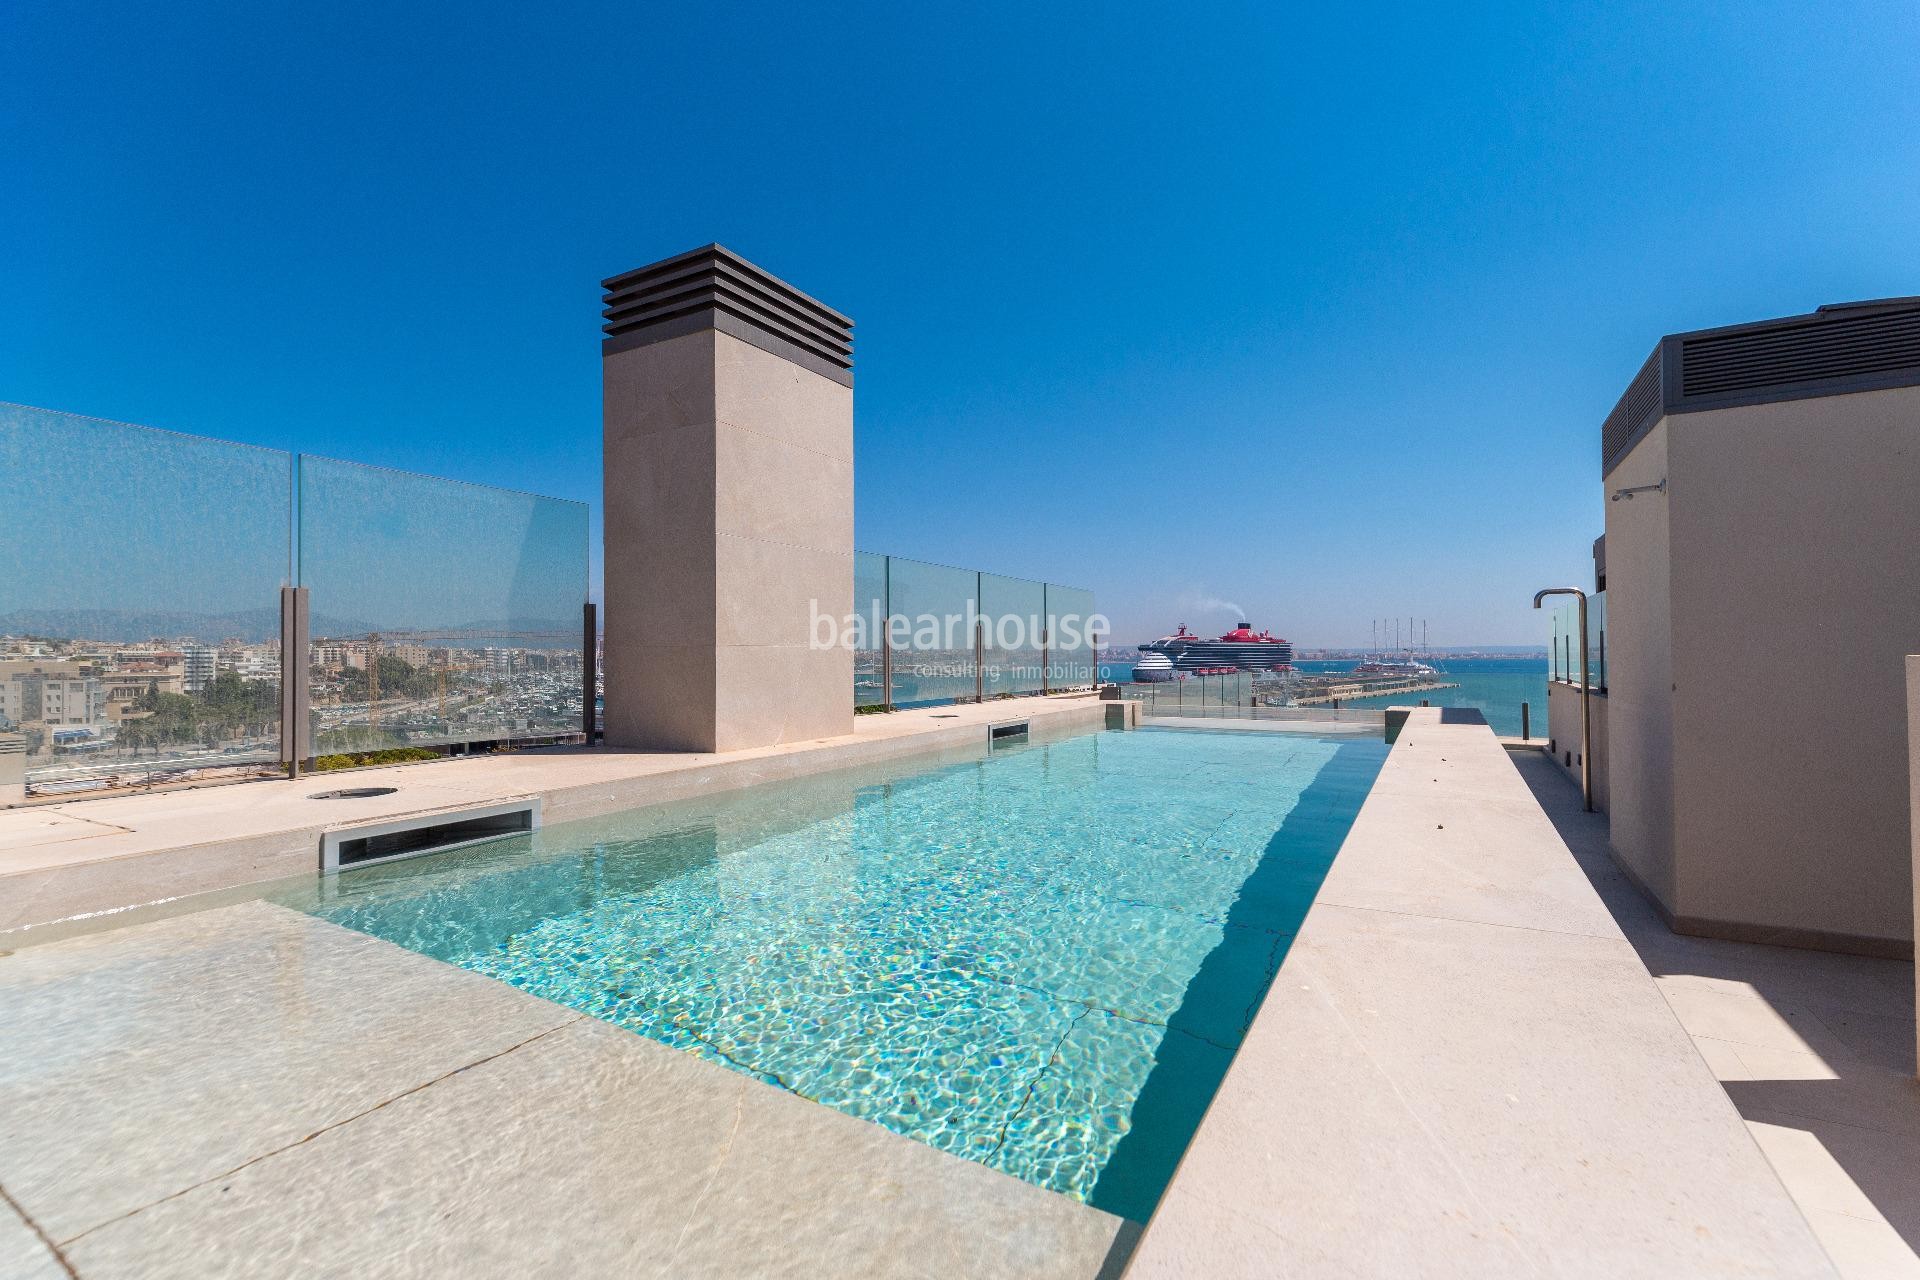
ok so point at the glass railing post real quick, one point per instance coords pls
(589, 669)
(979, 660)
(886, 634)
(979, 638)
(1046, 622)
(295, 697)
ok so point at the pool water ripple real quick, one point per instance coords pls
(1041, 961)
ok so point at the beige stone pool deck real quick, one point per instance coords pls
(1815, 1049)
(1482, 1056)
(1463, 1068)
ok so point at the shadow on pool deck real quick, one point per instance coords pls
(1226, 991)
(1815, 1048)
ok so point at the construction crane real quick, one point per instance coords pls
(447, 638)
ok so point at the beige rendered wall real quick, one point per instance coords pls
(1563, 736)
(1795, 599)
(729, 511)
(1913, 805)
(1639, 672)
(1913, 801)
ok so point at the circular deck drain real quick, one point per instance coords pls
(353, 793)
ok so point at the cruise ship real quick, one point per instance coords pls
(1153, 668)
(1241, 649)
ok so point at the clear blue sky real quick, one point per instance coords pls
(1313, 309)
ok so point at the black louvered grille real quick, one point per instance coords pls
(713, 279)
(1643, 394)
(1639, 406)
(1728, 364)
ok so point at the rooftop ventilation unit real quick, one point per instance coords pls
(1837, 350)
(427, 833)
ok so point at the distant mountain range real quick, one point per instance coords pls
(256, 626)
(252, 625)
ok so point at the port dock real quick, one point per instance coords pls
(1350, 690)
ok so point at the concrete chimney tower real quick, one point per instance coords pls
(728, 420)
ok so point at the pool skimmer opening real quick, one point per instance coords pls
(425, 833)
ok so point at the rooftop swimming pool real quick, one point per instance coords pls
(1041, 960)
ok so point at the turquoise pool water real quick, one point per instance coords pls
(1041, 961)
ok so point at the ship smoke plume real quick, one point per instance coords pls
(1214, 604)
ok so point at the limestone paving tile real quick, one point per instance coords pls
(145, 1060)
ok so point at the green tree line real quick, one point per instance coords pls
(398, 679)
(226, 707)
